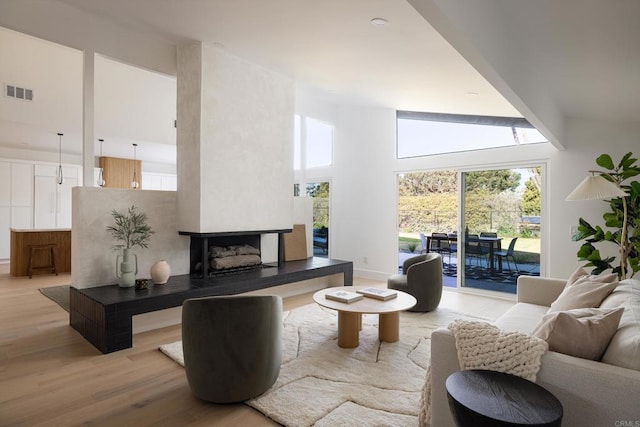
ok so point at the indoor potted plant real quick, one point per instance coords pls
(131, 229)
(622, 221)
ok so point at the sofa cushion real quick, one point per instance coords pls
(584, 332)
(522, 317)
(581, 273)
(624, 348)
(583, 293)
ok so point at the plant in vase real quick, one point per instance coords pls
(131, 229)
(622, 221)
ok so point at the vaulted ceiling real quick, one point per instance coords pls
(547, 60)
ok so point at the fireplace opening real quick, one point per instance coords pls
(218, 254)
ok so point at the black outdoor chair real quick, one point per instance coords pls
(508, 253)
(441, 243)
(475, 249)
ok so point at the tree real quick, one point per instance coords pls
(319, 191)
(531, 198)
(423, 183)
(493, 181)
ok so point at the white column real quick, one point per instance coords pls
(88, 80)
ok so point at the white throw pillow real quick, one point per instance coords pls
(583, 293)
(583, 333)
(624, 348)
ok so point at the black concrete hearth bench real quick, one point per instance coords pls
(103, 314)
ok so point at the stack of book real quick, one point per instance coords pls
(377, 293)
(343, 296)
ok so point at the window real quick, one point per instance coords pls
(423, 134)
(313, 141)
(297, 142)
(319, 143)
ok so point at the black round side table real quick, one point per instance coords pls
(490, 398)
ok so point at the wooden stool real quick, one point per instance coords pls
(51, 266)
(487, 398)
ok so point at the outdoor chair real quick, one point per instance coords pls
(441, 243)
(421, 277)
(232, 346)
(423, 240)
(508, 253)
(475, 249)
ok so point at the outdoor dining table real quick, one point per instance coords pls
(494, 244)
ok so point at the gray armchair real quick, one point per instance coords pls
(232, 346)
(422, 278)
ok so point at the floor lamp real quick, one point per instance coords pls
(597, 187)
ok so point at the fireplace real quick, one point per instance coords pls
(213, 254)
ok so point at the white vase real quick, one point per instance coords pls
(160, 272)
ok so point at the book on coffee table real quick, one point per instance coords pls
(377, 293)
(343, 296)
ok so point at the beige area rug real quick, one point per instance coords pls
(321, 384)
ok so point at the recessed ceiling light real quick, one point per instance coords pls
(472, 93)
(379, 22)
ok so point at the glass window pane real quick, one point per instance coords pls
(319, 143)
(296, 142)
(423, 137)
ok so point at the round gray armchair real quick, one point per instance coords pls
(421, 277)
(232, 346)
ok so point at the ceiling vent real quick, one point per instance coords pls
(18, 92)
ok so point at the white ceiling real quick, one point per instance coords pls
(584, 53)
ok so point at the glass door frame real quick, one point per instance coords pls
(544, 218)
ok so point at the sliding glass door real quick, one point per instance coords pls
(499, 237)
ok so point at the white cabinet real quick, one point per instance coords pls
(16, 200)
(5, 184)
(21, 184)
(5, 234)
(159, 181)
(52, 201)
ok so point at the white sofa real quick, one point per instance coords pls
(592, 393)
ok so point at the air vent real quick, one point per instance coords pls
(18, 92)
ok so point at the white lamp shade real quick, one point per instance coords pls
(596, 187)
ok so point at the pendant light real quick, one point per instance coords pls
(59, 177)
(101, 182)
(134, 183)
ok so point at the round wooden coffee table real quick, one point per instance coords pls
(350, 315)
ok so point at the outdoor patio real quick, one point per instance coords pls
(481, 277)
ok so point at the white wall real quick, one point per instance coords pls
(61, 23)
(364, 191)
(92, 257)
(235, 143)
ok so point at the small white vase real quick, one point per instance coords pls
(160, 272)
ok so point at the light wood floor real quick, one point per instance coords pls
(49, 375)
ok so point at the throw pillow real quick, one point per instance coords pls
(583, 293)
(581, 273)
(583, 333)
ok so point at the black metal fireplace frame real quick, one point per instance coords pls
(199, 246)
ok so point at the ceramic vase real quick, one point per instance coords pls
(126, 268)
(160, 272)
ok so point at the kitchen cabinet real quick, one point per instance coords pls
(52, 201)
(16, 200)
(118, 173)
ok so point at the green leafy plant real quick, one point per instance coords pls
(130, 228)
(626, 238)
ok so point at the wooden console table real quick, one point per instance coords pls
(103, 314)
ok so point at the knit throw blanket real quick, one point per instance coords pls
(481, 345)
